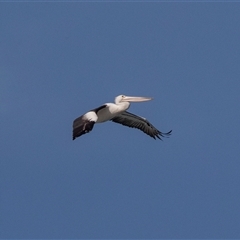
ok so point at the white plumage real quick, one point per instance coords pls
(116, 113)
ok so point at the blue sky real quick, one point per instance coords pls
(59, 60)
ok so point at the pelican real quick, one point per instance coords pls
(117, 113)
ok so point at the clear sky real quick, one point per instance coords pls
(59, 60)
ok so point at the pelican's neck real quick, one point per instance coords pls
(123, 105)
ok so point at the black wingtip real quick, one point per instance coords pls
(168, 133)
(161, 134)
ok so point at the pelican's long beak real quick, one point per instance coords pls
(136, 99)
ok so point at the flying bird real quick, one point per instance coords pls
(117, 113)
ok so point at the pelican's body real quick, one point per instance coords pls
(116, 112)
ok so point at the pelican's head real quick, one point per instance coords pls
(123, 98)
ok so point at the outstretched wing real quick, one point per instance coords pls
(134, 121)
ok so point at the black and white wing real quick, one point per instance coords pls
(84, 124)
(134, 121)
